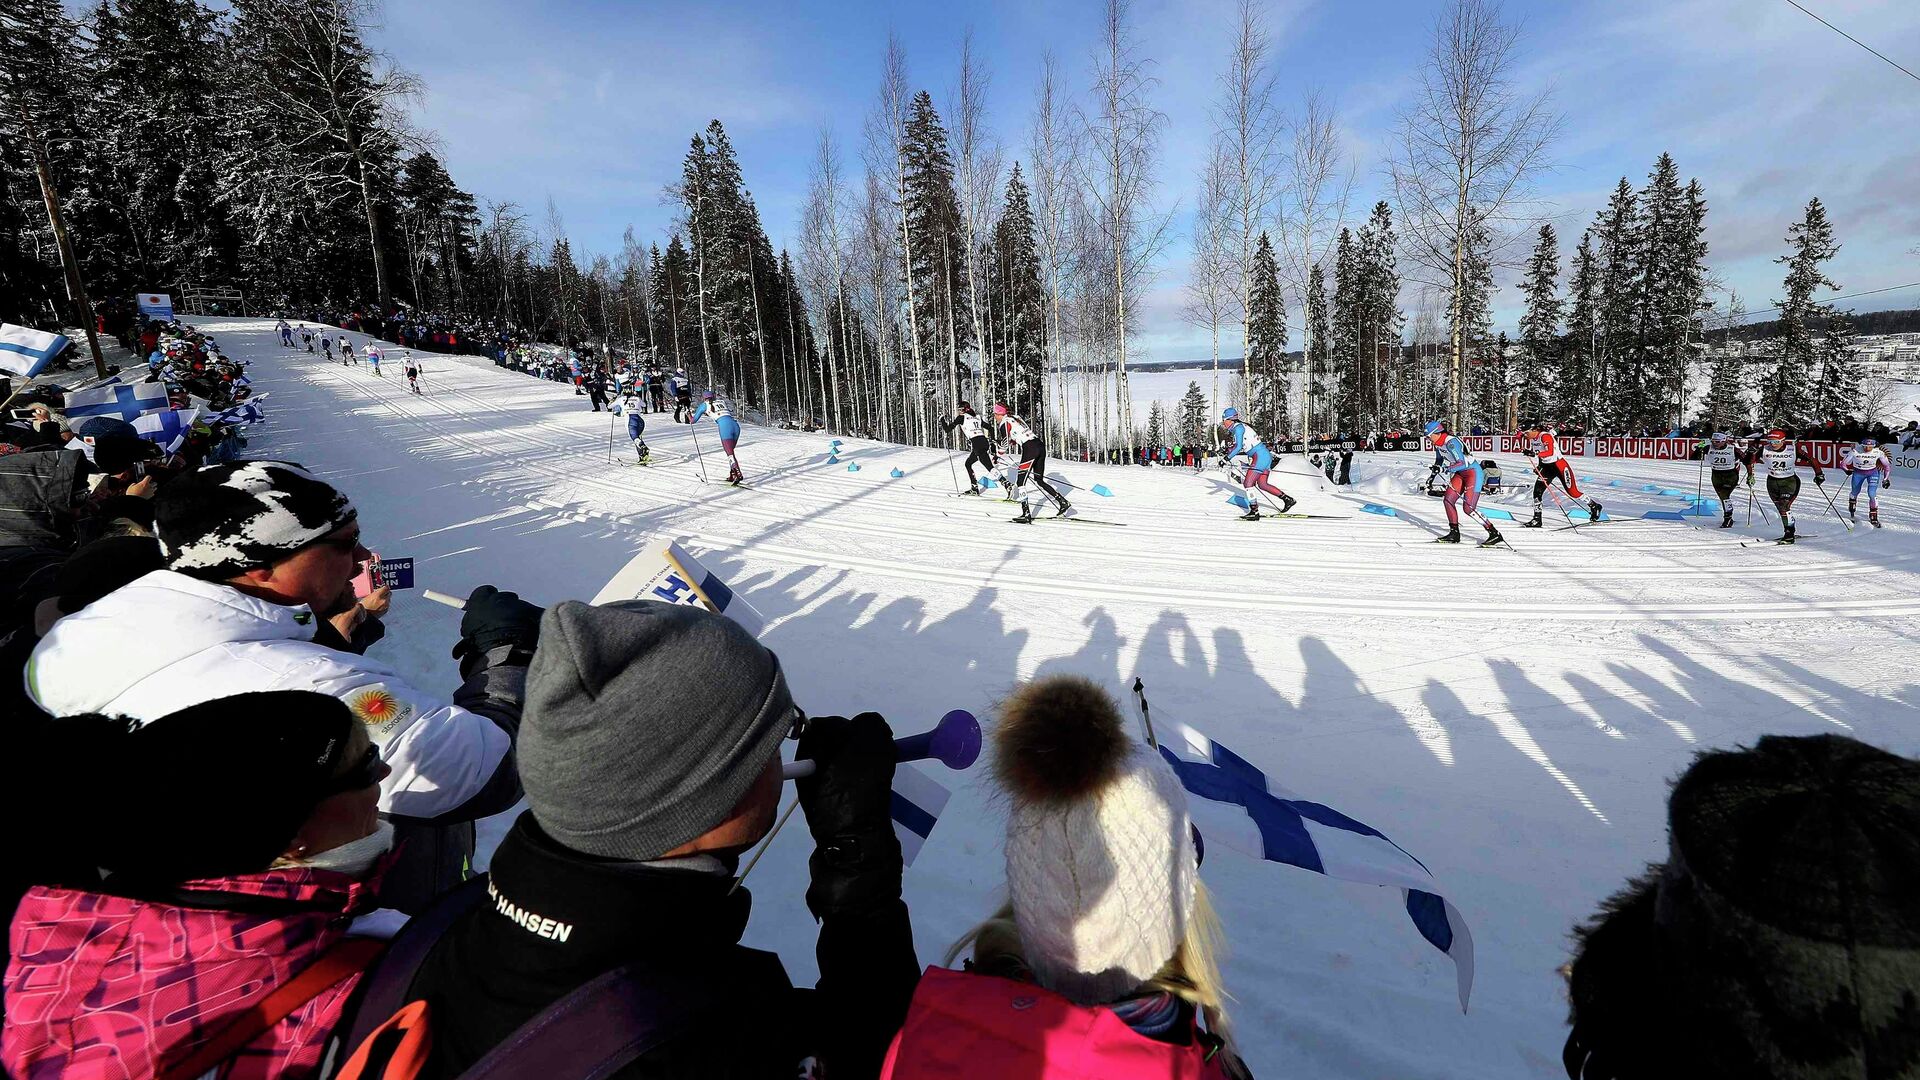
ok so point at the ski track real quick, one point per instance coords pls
(801, 491)
(1512, 717)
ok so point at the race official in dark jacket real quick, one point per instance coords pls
(650, 754)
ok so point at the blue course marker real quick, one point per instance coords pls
(1664, 515)
(1497, 513)
(855, 467)
(1101, 489)
(1384, 511)
(896, 474)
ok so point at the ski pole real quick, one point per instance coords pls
(699, 455)
(1562, 504)
(1146, 718)
(1834, 508)
(611, 417)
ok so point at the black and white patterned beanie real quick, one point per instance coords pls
(226, 519)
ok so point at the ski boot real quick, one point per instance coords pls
(1593, 508)
(1063, 509)
(972, 489)
(1493, 537)
(1853, 511)
(1286, 503)
(1873, 517)
(1252, 514)
(1532, 522)
(1726, 519)
(1787, 537)
(1025, 518)
(1451, 536)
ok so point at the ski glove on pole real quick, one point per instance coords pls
(494, 618)
(848, 800)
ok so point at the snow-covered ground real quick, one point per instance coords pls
(1512, 717)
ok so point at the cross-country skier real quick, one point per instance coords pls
(682, 396)
(711, 405)
(286, 333)
(979, 448)
(656, 390)
(1017, 440)
(413, 372)
(374, 355)
(1783, 459)
(1543, 446)
(346, 352)
(1869, 466)
(636, 425)
(326, 347)
(1722, 458)
(306, 337)
(1246, 450)
(1463, 484)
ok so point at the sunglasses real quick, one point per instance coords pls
(363, 775)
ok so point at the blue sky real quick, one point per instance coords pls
(593, 103)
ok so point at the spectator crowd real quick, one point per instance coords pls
(245, 841)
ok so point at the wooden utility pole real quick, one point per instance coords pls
(76, 290)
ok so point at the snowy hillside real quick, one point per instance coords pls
(1511, 717)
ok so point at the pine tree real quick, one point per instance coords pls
(1474, 315)
(1787, 394)
(1156, 424)
(1344, 335)
(1620, 380)
(1578, 394)
(932, 210)
(1318, 369)
(1378, 313)
(1836, 396)
(1669, 294)
(1018, 302)
(1535, 377)
(1194, 422)
(1266, 405)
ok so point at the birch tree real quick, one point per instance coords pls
(1123, 138)
(1465, 155)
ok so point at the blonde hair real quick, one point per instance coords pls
(1192, 975)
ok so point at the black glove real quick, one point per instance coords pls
(848, 802)
(494, 618)
(1819, 479)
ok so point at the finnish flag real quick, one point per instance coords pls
(247, 412)
(25, 352)
(128, 401)
(168, 427)
(917, 802)
(1236, 805)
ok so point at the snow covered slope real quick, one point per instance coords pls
(1512, 717)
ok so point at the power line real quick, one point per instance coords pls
(1856, 41)
(1830, 299)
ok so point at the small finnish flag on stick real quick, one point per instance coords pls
(917, 802)
(1235, 805)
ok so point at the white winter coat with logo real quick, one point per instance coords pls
(167, 641)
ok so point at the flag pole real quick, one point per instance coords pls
(76, 289)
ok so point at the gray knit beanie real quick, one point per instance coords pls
(645, 724)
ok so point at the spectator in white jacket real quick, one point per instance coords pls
(259, 555)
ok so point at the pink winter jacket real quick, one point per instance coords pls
(966, 1025)
(106, 988)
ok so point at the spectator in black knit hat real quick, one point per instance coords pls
(1780, 939)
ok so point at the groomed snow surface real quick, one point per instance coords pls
(1512, 717)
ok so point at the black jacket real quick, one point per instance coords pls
(492, 972)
